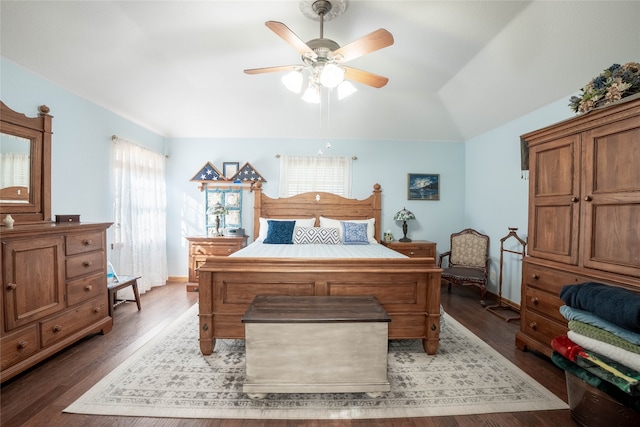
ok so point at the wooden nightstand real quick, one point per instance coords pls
(414, 249)
(202, 247)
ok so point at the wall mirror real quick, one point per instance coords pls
(25, 164)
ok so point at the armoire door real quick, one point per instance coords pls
(554, 205)
(611, 198)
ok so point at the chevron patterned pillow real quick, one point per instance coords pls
(316, 235)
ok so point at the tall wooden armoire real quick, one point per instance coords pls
(584, 214)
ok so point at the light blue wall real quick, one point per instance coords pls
(81, 143)
(480, 179)
(496, 196)
(384, 162)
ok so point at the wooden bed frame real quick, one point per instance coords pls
(408, 288)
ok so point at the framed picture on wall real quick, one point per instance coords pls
(423, 186)
(229, 169)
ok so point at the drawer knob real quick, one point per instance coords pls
(22, 344)
(11, 286)
(588, 198)
(87, 242)
(535, 276)
(200, 251)
(533, 325)
(534, 300)
(88, 288)
(57, 328)
(574, 199)
(412, 253)
(87, 263)
(96, 309)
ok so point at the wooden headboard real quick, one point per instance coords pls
(316, 204)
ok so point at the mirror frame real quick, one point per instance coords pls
(38, 131)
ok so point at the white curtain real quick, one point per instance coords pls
(15, 169)
(139, 238)
(304, 174)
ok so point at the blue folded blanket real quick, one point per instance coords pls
(571, 313)
(616, 305)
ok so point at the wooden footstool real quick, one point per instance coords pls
(124, 282)
(318, 344)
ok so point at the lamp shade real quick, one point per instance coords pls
(293, 81)
(331, 75)
(312, 94)
(217, 209)
(404, 215)
(345, 89)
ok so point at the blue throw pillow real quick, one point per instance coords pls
(354, 233)
(280, 232)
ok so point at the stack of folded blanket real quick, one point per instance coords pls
(602, 346)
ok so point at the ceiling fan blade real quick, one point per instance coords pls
(290, 37)
(365, 77)
(376, 40)
(271, 69)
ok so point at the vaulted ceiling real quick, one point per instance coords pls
(456, 69)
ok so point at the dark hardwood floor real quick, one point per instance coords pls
(38, 396)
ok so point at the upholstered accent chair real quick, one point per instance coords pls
(468, 261)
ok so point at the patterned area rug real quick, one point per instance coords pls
(169, 377)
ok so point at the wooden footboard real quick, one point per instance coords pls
(408, 289)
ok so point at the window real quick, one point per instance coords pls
(230, 216)
(304, 174)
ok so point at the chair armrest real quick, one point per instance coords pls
(442, 256)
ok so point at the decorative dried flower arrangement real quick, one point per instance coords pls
(611, 85)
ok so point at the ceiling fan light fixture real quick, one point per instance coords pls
(312, 94)
(331, 75)
(293, 81)
(346, 89)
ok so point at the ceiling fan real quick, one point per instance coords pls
(323, 58)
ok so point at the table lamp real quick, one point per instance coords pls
(218, 210)
(404, 215)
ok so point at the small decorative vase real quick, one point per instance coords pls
(9, 221)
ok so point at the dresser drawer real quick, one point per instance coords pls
(85, 288)
(544, 303)
(79, 265)
(417, 252)
(217, 249)
(541, 328)
(19, 345)
(86, 242)
(73, 320)
(221, 250)
(549, 279)
(416, 249)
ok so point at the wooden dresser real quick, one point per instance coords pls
(202, 247)
(54, 290)
(584, 214)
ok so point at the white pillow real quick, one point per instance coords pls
(264, 225)
(336, 223)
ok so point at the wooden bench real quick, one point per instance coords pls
(316, 344)
(123, 282)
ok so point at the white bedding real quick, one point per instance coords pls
(262, 250)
